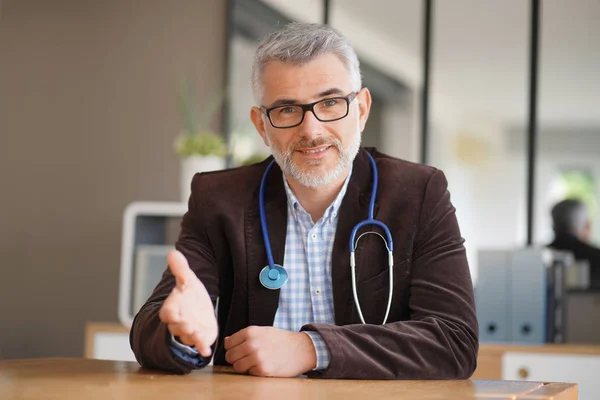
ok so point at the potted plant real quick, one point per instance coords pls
(199, 148)
(253, 159)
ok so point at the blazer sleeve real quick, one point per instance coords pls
(440, 340)
(149, 338)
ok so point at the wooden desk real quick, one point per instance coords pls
(549, 362)
(489, 360)
(68, 378)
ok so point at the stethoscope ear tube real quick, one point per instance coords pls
(391, 283)
(387, 240)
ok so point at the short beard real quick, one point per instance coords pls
(313, 177)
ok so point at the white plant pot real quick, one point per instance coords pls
(193, 164)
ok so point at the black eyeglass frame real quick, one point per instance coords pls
(310, 107)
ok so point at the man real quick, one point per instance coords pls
(311, 110)
(572, 230)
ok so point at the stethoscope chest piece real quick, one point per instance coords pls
(273, 278)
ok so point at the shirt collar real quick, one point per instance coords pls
(331, 212)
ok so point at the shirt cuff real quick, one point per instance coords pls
(187, 354)
(323, 356)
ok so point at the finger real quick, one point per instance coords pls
(237, 353)
(199, 343)
(237, 338)
(202, 344)
(187, 340)
(205, 351)
(169, 314)
(196, 341)
(246, 363)
(180, 268)
(191, 337)
(181, 329)
(259, 370)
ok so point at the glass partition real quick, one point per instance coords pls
(478, 118)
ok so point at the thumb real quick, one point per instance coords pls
(179, 268)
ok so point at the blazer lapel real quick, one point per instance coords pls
(263, 302)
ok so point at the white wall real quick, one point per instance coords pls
(486, 170)
(88, 116)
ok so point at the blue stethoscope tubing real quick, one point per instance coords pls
(274, 276)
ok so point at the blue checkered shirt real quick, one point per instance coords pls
(307, 297)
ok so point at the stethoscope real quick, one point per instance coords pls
(274, 276)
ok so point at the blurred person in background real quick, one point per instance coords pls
(572, 230)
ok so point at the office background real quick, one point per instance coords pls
(88, 116)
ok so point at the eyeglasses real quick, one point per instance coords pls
(327, 110)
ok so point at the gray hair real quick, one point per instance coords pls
(569, 216)
(299, 43)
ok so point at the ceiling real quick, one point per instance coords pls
(480, 57)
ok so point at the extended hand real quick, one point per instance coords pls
(267, 351)
(188, 311)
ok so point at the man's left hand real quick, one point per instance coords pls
(268, 351)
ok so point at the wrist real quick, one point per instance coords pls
(309, 352)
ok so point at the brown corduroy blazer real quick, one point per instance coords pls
(432, 330)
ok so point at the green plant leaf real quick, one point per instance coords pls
(204, 144)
